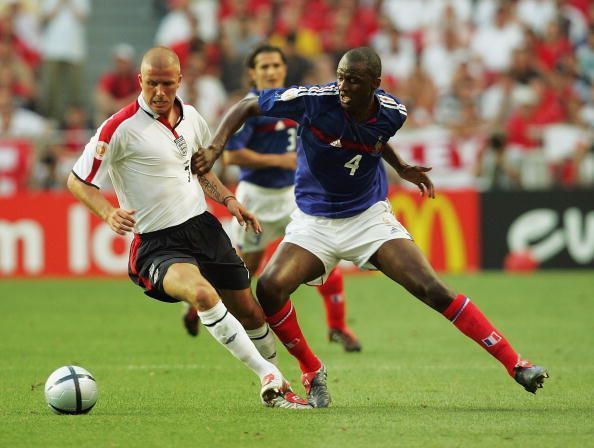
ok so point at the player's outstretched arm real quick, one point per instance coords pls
(215, 190)
(120, 220)
(204, 159)
(248, 158)
(412, 173)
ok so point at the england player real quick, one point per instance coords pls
(180, 251)
(341, 187)
(264, 148)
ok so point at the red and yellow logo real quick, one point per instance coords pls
(445, 228)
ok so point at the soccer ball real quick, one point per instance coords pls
(71, 390)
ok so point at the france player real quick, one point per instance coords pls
(265, 148)
(341, 187)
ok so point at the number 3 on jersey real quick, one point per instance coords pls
(353, 164)
(292, 144)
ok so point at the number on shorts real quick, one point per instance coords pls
(292, 145)
(353, 164)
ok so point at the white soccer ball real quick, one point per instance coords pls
(71, 390)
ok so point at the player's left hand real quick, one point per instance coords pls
(204, 159)
(416, 175)
(244, 217)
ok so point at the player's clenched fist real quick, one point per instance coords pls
(204, 159)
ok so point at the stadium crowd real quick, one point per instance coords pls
(500, 91)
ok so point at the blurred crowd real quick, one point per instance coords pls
(509, 83)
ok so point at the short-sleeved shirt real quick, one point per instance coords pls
(148, 162)
(339, 161)
(266, 135)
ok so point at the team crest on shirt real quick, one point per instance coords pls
(182, 146)
(100, 150)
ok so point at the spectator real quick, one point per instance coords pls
(494, 44)
(553, 47)
(447, 13)
(298, 67)
(25, 25)
(119, 86)
(64, 54)
(398, 63)
(565, 146)
(447, 53)
(420, 94)
(19, 130)
(408, 16)
(231, 64)
(466, 86)
(178, 25)
(17, 121)
(203, 91)
(537, 14)
(585, 58)
(523, 68)
(20, 47)
(497, 168)
(16, 75)
(291, 29)
(495, 102)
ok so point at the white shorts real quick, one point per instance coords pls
(353, 239)
(272, 207)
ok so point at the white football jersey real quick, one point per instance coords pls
(148, 162)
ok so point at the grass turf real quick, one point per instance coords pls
(418, 381)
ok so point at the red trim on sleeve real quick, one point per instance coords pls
(106, 134)
(116, 120)
(94, 169)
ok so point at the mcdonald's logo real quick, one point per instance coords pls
(421, 218)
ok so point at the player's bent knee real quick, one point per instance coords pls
(202, 296)
(271, 285)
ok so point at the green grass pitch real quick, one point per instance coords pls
(417, 383)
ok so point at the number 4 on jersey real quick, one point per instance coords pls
(353, 164)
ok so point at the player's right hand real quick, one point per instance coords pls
(121, 221)
(204, 159)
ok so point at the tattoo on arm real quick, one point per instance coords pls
(210, 189)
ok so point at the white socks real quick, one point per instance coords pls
(263, 339)
(226, 329)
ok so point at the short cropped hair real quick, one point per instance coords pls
(369, 57)
(263, 48)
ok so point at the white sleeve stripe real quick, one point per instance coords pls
(315, 89)
(402, 112)
(387, 99)
(316, 94)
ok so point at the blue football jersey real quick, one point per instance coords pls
(266, 135)
(339, 161)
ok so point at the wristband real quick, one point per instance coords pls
(227, 199)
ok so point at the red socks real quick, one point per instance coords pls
(466, 316)
(285, 326)
(333, 293)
